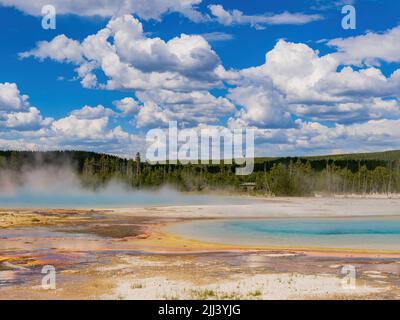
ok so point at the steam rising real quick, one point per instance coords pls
(58, 186)
(52, 179)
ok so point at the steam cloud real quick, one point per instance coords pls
(57, 186)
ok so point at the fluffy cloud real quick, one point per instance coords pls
(75, 127)
(188, 108)
(263, 106)
(61, 49)
(154, 9)
(303, 75)
(295, 69)
(28, 120)
(128, 106)
(88, 112)
(236, 17)
(95, 135)
(315, 138)
(158, 107)
(88, 128)
(131, 60)
(16, 112)
(152, 115)
(369, 82)
(10, 97)
(88, 133)
(145, 9)
(369, 49)
(171, 78)
(313, 87)
(374, 108)
(187, 55)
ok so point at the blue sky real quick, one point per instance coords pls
(322, 90)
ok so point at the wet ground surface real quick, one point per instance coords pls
(74, 245)
(78, 249)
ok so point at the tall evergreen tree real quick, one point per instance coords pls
(138, 165)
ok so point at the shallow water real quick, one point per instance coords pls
(352, 233)
(27, 198)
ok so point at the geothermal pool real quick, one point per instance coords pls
(107, 198)
(351, 233)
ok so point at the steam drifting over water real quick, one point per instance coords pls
(60, 187)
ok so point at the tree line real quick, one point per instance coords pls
(298, 176)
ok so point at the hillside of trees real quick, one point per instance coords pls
(374, 173)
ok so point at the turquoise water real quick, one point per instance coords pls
(79, 198)
(352, 233)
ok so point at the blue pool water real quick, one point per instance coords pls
(352, 233)
(106, 198)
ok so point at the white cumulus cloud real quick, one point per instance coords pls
(16, 112)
